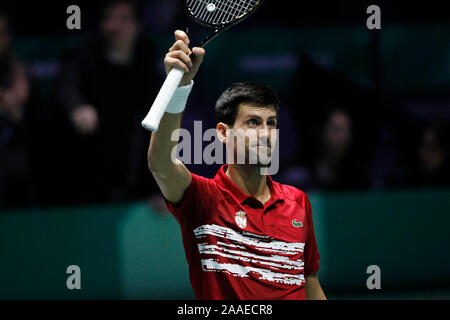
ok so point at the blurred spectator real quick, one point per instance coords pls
(15, 175)
(105, 88)
(334, 130)
(331, 160)
(430, 166)
(336, 142)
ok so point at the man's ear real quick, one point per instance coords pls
(223, 132)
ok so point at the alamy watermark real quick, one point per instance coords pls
(374, 20)
(74, 280)
(74, 20)
(374, 280)
(258, 147)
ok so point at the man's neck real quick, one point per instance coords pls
(248, 178)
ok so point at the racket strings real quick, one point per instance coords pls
(220, 11)
(229, 13)
(202, 13)
(234, 8)
(237, 7)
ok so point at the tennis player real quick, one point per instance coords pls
(245, 235)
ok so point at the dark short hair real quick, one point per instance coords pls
(250, 92)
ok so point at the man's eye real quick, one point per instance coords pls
(272, 124)
(252, 122)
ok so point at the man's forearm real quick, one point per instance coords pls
(172, 177)
(162, 144)
(313, 289)
(316, 295)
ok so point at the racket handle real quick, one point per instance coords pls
(153, 118)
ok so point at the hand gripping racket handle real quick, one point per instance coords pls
(173, 79)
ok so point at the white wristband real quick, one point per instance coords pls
(179, 99)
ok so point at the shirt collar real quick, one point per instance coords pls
(221, 178)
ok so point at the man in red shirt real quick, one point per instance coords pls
(245, 235)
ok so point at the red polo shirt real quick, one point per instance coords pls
(238, 248)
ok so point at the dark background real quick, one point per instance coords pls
(384, 208)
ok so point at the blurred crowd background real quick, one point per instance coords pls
(361, 112)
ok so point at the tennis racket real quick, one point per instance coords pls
(218, 15)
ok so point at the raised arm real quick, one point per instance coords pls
(172, 177)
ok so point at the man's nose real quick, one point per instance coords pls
(264, 134)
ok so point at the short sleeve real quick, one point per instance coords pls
(311, 252)
(195, 202)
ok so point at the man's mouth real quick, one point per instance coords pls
(262, 145)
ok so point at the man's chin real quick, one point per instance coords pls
(258, 156)
(262, 161)
(264, 165)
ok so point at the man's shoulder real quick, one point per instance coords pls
(201, 180)
(291, 192)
